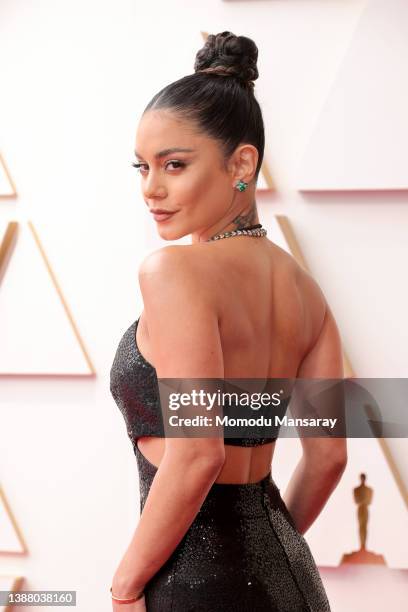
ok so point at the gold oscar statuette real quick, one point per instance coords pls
(363, 496)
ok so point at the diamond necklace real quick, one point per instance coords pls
(253, 230)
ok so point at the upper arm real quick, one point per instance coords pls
(325, 360)
(183, 332)
(181, 317)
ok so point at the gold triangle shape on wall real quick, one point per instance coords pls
(6, 247)
(268, 183)
(5, 177)
(295, 250)
(267, 178)
(4, 504)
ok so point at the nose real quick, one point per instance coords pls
(153, 189)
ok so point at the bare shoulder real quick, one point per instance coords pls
(180, 314)
(159, 260)
(175, 273)
(179, 258)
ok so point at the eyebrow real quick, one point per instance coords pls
(168, 151)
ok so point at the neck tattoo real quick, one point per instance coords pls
(244, 226)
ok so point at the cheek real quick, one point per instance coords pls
(205, 192)
(192, 188)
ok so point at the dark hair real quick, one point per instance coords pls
(221, 99)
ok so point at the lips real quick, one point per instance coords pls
(162, 216)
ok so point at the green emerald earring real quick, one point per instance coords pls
(241, 185)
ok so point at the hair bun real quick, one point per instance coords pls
(233, 55)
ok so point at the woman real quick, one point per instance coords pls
(214, 533)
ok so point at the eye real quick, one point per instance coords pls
(176, 164)
(138, 166)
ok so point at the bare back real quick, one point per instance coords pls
(270, 314)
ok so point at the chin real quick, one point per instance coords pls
(170, 233)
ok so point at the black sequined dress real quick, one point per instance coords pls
(242, 553)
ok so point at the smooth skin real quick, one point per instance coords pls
(237, 308)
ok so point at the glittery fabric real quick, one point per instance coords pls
(242, 553)
(134, 386)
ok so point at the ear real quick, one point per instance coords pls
(243, 163)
